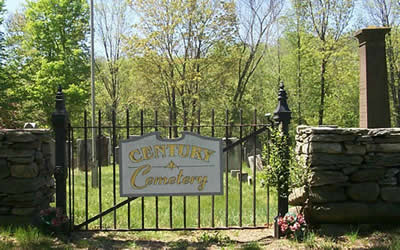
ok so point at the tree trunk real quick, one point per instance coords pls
(322, 97)
(174, 109)
(299, 75)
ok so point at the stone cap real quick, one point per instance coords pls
(31, 130)
(303, 129)
(372, 33)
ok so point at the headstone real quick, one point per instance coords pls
(30, 125)
(116, 156)
(249, 146)
(259, 163)
(243, 177)
(233, 154)
(235, 173)
(104, 152)
(249, 180)
(81, 159)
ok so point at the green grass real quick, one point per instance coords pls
(352, 236)
(251, 246)
(164, 206)
(25, 237)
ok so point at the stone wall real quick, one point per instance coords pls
(26, 170)
(354, 175)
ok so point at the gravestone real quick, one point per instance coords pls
(249, 147)
(104, 143)
(81, 154)
(116, 155)
(104, 152)
(259, 163)
(30, 125)
(235, 173)
(244, 177)
(233, 154)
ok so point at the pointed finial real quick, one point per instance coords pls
(282, 112)
(60, 102)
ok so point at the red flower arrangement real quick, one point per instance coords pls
(291, 225)
(54, 219)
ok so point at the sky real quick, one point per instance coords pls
(12, 5)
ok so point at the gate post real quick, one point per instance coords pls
(60, 121)
(282, 117)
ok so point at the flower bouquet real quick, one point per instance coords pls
(53, 220)
(292, 226)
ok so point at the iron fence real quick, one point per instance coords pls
(244, 132)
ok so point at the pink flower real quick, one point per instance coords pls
(289, 218)
(300, 219)
(295, 227)
(280, 221)
(54, 222)
(284, 227)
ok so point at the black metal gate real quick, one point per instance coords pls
(245, 204)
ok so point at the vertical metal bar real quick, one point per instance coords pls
(184, 197)
(254, 168)
(212, 197)
(73, 178)
(226, 169)
(268, 205)
(86, 167)
(241, 169)
(99, 162)
(69, 176)
(114, 138)
(127, 137)
(184, 211)
(170, 198)
(198, 197)
(156, 129)
(268, 159)
(142, 133)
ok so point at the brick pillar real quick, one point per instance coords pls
(374, 97)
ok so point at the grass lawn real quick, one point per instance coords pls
(107, 201)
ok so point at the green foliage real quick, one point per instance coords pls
(251, 246)
(284, 171)
(207, 239)
(180, 244)
(49, 46)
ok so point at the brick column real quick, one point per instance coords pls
(374, 98)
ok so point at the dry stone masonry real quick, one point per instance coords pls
(354, 174)
(26, 170)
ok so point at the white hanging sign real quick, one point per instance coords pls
(152, 166)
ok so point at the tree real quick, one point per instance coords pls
(53, 52)
(328, 19)
(112, 26)
(175, 37)
(6, 114)
(256, 19)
